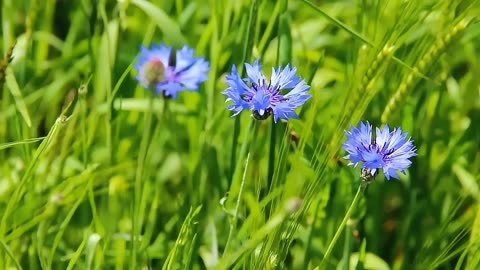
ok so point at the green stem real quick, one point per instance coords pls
(271, 154)
(233, 151)
(360, 190)
(138, 181)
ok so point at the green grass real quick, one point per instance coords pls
(97, 173)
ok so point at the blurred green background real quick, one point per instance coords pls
(87, 183)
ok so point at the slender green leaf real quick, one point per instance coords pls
(21, 106)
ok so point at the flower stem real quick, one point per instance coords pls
(271, 154)
(137, 192)
(233, 151)
(361, 188)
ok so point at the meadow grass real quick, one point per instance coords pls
(99, 173)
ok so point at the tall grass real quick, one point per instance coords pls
(98, 173)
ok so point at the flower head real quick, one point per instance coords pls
(279, 96)
(169, 71)
(389, 151)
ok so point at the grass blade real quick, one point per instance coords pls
(12, 85)
(11, 144)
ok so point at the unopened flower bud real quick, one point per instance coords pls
(153, 71)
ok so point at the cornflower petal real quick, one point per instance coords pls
(358, 141)
(254, 73)
(237, 88)
(155, 71)
(284, 79)
(390, 151)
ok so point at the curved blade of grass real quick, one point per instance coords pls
(170, 28)
(19, 191)
(27, 141)
(12, 85)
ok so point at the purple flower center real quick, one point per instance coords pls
(273, 93)
(269, 97)
(374, 148)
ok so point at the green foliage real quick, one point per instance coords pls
(97, 173)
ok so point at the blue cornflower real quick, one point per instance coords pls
(280, 96)
(169, 71)
(390, 151)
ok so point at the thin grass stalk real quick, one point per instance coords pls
(233, 223)
(246, 142)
